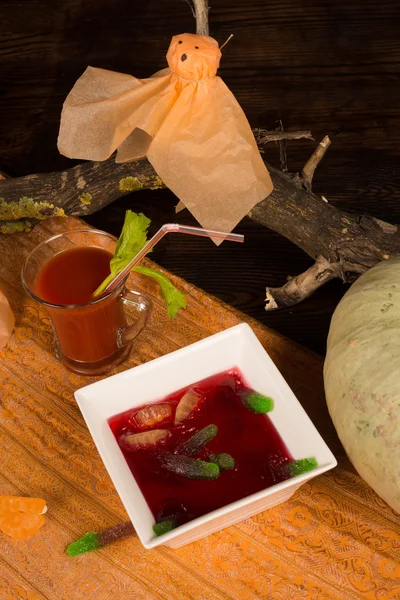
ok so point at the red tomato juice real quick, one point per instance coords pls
(87, 332)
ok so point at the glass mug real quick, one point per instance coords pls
(90, 338)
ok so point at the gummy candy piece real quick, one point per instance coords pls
(153, 414)
(20, 525)
(195, 443)
(303, 465)
(90, 541)
(93, 541)
(256, 402)
(22, 504)
(189, 467)
(21, 517)
(225, 461)
(145, 438)
(186, 405)
(165, 526)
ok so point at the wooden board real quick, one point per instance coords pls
(334, 539)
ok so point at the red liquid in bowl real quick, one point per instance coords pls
(85, 333)
(251, 439)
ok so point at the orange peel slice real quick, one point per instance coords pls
(145, 438)
(21, 517)
(153, 414)
(186, 405)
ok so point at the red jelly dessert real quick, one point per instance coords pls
(172, 447)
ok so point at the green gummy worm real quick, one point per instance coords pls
(225, 461)
(303, 465)
(199, 439)
(164, 526)
(257, 403)
(90, 541)
(189, 467)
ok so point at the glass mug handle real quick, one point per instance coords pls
(143, 306)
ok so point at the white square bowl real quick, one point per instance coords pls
(234, 347)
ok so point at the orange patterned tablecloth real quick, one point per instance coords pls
(334, 539)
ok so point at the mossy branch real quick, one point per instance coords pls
(28, 208)
(79, 191)
(20, 226)
(86, 188)
(349, 243)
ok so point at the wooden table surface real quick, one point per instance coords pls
(334, 539)
(332, 67)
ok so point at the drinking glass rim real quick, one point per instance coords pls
(54, 237)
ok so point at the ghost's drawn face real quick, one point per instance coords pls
(193, 56)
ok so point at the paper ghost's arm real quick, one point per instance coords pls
(102, 110)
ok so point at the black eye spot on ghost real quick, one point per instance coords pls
(196, 47)
(180, 42)
(183, 57)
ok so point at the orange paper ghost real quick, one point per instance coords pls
(184, 119)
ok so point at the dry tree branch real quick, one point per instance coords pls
(351, 244)
(308, 170)
(201, 12)
(191, 8)
(264, 136)
(282, 150)
(302, 286)
(226, 41)
(82, 190)
(342, 244)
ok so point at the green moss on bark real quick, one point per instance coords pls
(86, 199)
(16, 227)
(27, 208)
(130, 184)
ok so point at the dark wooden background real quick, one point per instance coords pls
(331, 66)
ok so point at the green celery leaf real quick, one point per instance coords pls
(132, 239)
(173, 297)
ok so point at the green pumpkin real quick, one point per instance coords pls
(362, 377)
